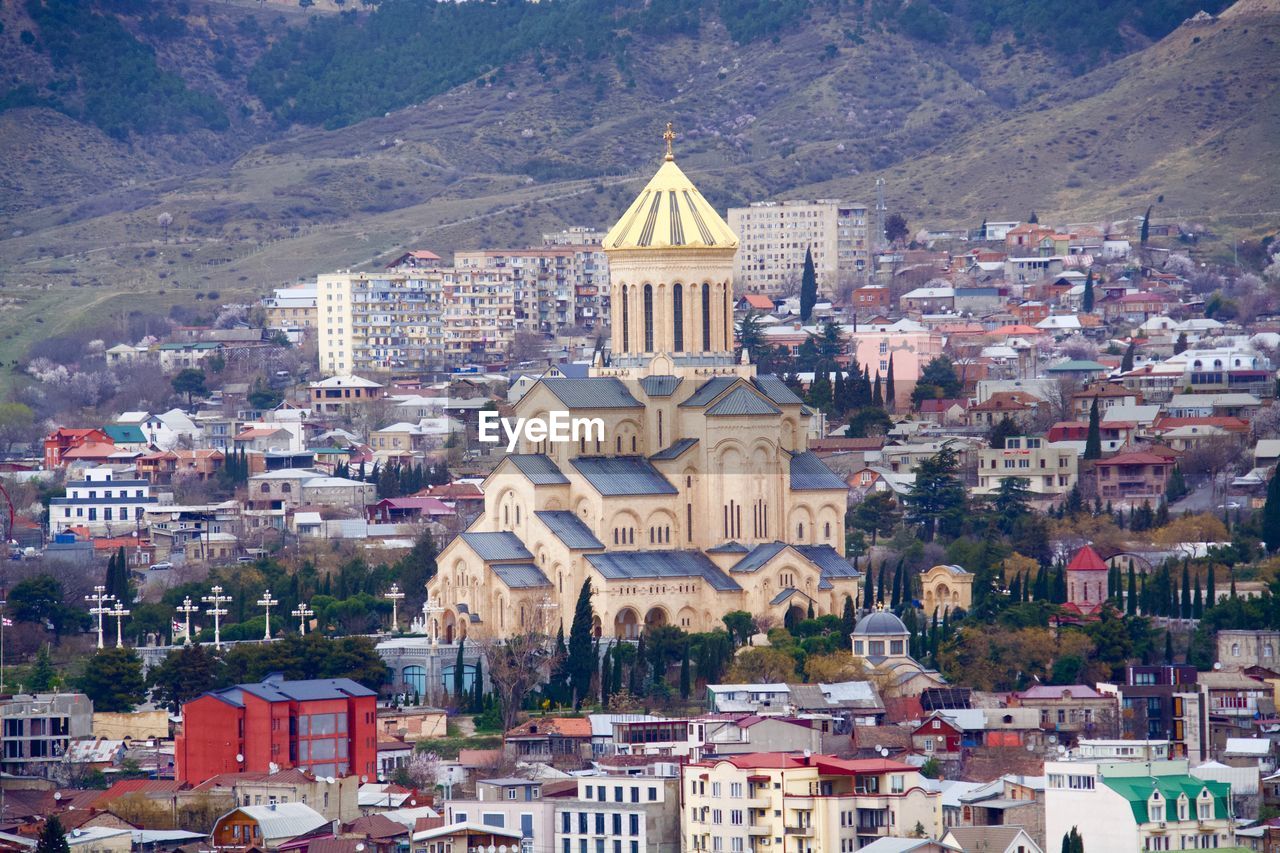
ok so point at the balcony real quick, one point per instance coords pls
(802, 831)
(759, 829)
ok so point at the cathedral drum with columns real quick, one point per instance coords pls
(701, 496)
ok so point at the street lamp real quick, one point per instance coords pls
(396, 596)
(266, 603)
(217, 599)
(187, 608)
(100, 598)
(119, 612)
(302, 613)
(431, 609)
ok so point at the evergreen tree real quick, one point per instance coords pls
(606, 677)
(1131, 602)
(1197, 601)
(1033, 219)
(877, 397)
(890, 395)
(1210, 588)
(685, 683)
(477, 688)
(1146, 227)
(1270, 527)
(895, 599)
(1186, 591)
(1126, 363)
(880, 585)
(459, 673)
(869, 588)
(1087, 303)
(819, 396)
(1059, 586)
(1093, 441)
(847, 618)
(636, 681)
(43, 677)
(1015, 591)
(582, 664)
(808, 287)
(936, 501)
(809, 613)
(615, 685)
(53, 839)
(1180, 345)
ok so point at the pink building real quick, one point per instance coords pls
(1086, 582)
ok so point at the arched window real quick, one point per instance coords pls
(415, 680)
(286, 488)
(826, 530)
(677, 317)
(648, 318)
(800, 531)
(626, 320)
(706, 318)
(724, 313)
(266, 488)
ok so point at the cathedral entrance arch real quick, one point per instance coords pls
(596, 628)
(795, 613)
(450, 627)
(626, 625)
(655, 618)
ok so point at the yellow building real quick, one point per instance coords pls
(776, 234)
(1045, 468)
(694, 494)
(788, 802)
(945, 588)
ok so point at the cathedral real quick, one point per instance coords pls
(701, 496)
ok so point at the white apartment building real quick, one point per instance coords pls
(774, 235)
(379, 322)
(555, 287)
(1123, 806)
(1047, 469)
(106, 501)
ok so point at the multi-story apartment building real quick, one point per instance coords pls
(478, 319)
(1046, 469)
(775, 235)
(789, 803)
(36, 730)
(327, 727)
(106, 502)
(291, 308)
(383, 322)
(1123, 806)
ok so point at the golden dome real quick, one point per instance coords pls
(670, 213)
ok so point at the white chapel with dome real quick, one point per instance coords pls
(702, 496)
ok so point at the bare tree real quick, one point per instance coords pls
(1213, 458)
(517, 665)
(164, 220)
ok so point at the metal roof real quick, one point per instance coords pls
(569, 529)
(808, 472)
(521, 575)
(660, 386)
(597, 392)
(741, 401)
(623, 475)
(622, 565)
(728, 548)
(280, 690)
(709, 390)
(285, 820)
(777, 390)
(675, 450)
(540, 469)
(758, 556)
(492, 547)
(829, 561)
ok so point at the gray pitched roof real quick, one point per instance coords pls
(709, 390)
(741, 401)
(540, 469)
(675, 450)
(776, 390)
(281, 690)
(728, 548)
(597, 392)
(623, 475)
(808, 472)
(660, 386)
(621, 565)
(521, 575)
(829, 561)
(497, 546)
(758, 556)
(569, 529)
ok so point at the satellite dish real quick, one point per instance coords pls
(57, 795)
(239, 758)
(413, 802)
(1217, 665)
(1031, 747)
(359, 848)
(884, 752)
(363, 779)
(879, 747)
(332, 781)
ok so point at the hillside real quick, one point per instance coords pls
(820, 105)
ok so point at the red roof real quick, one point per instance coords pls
(1135, 458)
(824, 763)
(1086, 560)
(134, 786)
(759, 300)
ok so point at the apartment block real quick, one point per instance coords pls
(106, 502)
(37, 730)
(479, 318)
(774, 236)
(555, 287)
(384, 322)
(1046, 469)
(789, 803)
(291, 308)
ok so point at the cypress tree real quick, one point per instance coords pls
(1088, 295)
(890, 397)
(808, 287)
(1126, 363)
(582, 663)
(477, 687)
(1131, 602)
(1186, 591)
(53, 838)
(869, 588)
(606, 676)
(636, 681)
(1270, 527)
(1146, 226)
(1210, 589)
(1059, 586)
(880, 586)
(847, 619)
(685, 685)
(459, 669)
(895, 599)
(809, 614)
(877, 399)
(1093, 441)
(615, 685)
(1015, 590)
(1197, 602)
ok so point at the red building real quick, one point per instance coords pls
(62, 440)
(327, 727)
(1086, 582)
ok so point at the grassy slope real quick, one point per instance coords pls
(754, 122)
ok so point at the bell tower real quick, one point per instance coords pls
(671, 275)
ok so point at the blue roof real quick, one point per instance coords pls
(540, 470)
(828, 559)
(709, 390)
(808, 472)
(728, 548)
(598, 392)
(660, 386)
(497, 546)
(521, 575)
(783, 595)
(758, 556)
(741, 401)
(623, 475)
(776, 390)
(125, 433)
(275, 689)
(622, 565)
(675, 450)
(569, 529)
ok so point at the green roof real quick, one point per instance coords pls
(193, 345)
(1076, 365)
(1137, 790)
(125, 433)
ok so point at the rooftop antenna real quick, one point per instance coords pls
(880, 212)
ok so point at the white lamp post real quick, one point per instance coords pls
(266, 603)
(186, 608)
(119, 612)
(396, 596)
(302, 613)
(217, 611)
(100, 598)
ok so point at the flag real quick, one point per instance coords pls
(8, 623)
(178, 629)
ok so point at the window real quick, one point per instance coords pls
(706, 318)
(677, 313)
(626, 320)
(648, 318)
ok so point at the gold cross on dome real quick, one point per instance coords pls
(668, 136)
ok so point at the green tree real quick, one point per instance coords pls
(43, 677)
(936, 501)
(1126, 363)
(1269, 528)
(1003, 429)
(183, 675)
(877, 514)
(190, 381)
(1180, 345)
(459, 673)
(112, 679)
(819, 396)
(750, 335)
(582, 662)
(1087, 302)
(1146, 227)
(117, 579)
(53, 839)
(741, 625)
(39, 600)
(1093, 439)
(808, 287)
(890, 392)
(938, 381)
(895, 228)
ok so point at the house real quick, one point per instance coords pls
(61, 440)
(1018, 406)
(1047, 470)
(991, 839)
(103, 502)
(1009, 800)
(340, 394)
(336, 800)
(1133, 477)
(549, 738)
(268, 827)
(1070, 711)
(944, 412)
(38, 730)
(467, 835)
(928, 300)
(871, 299)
